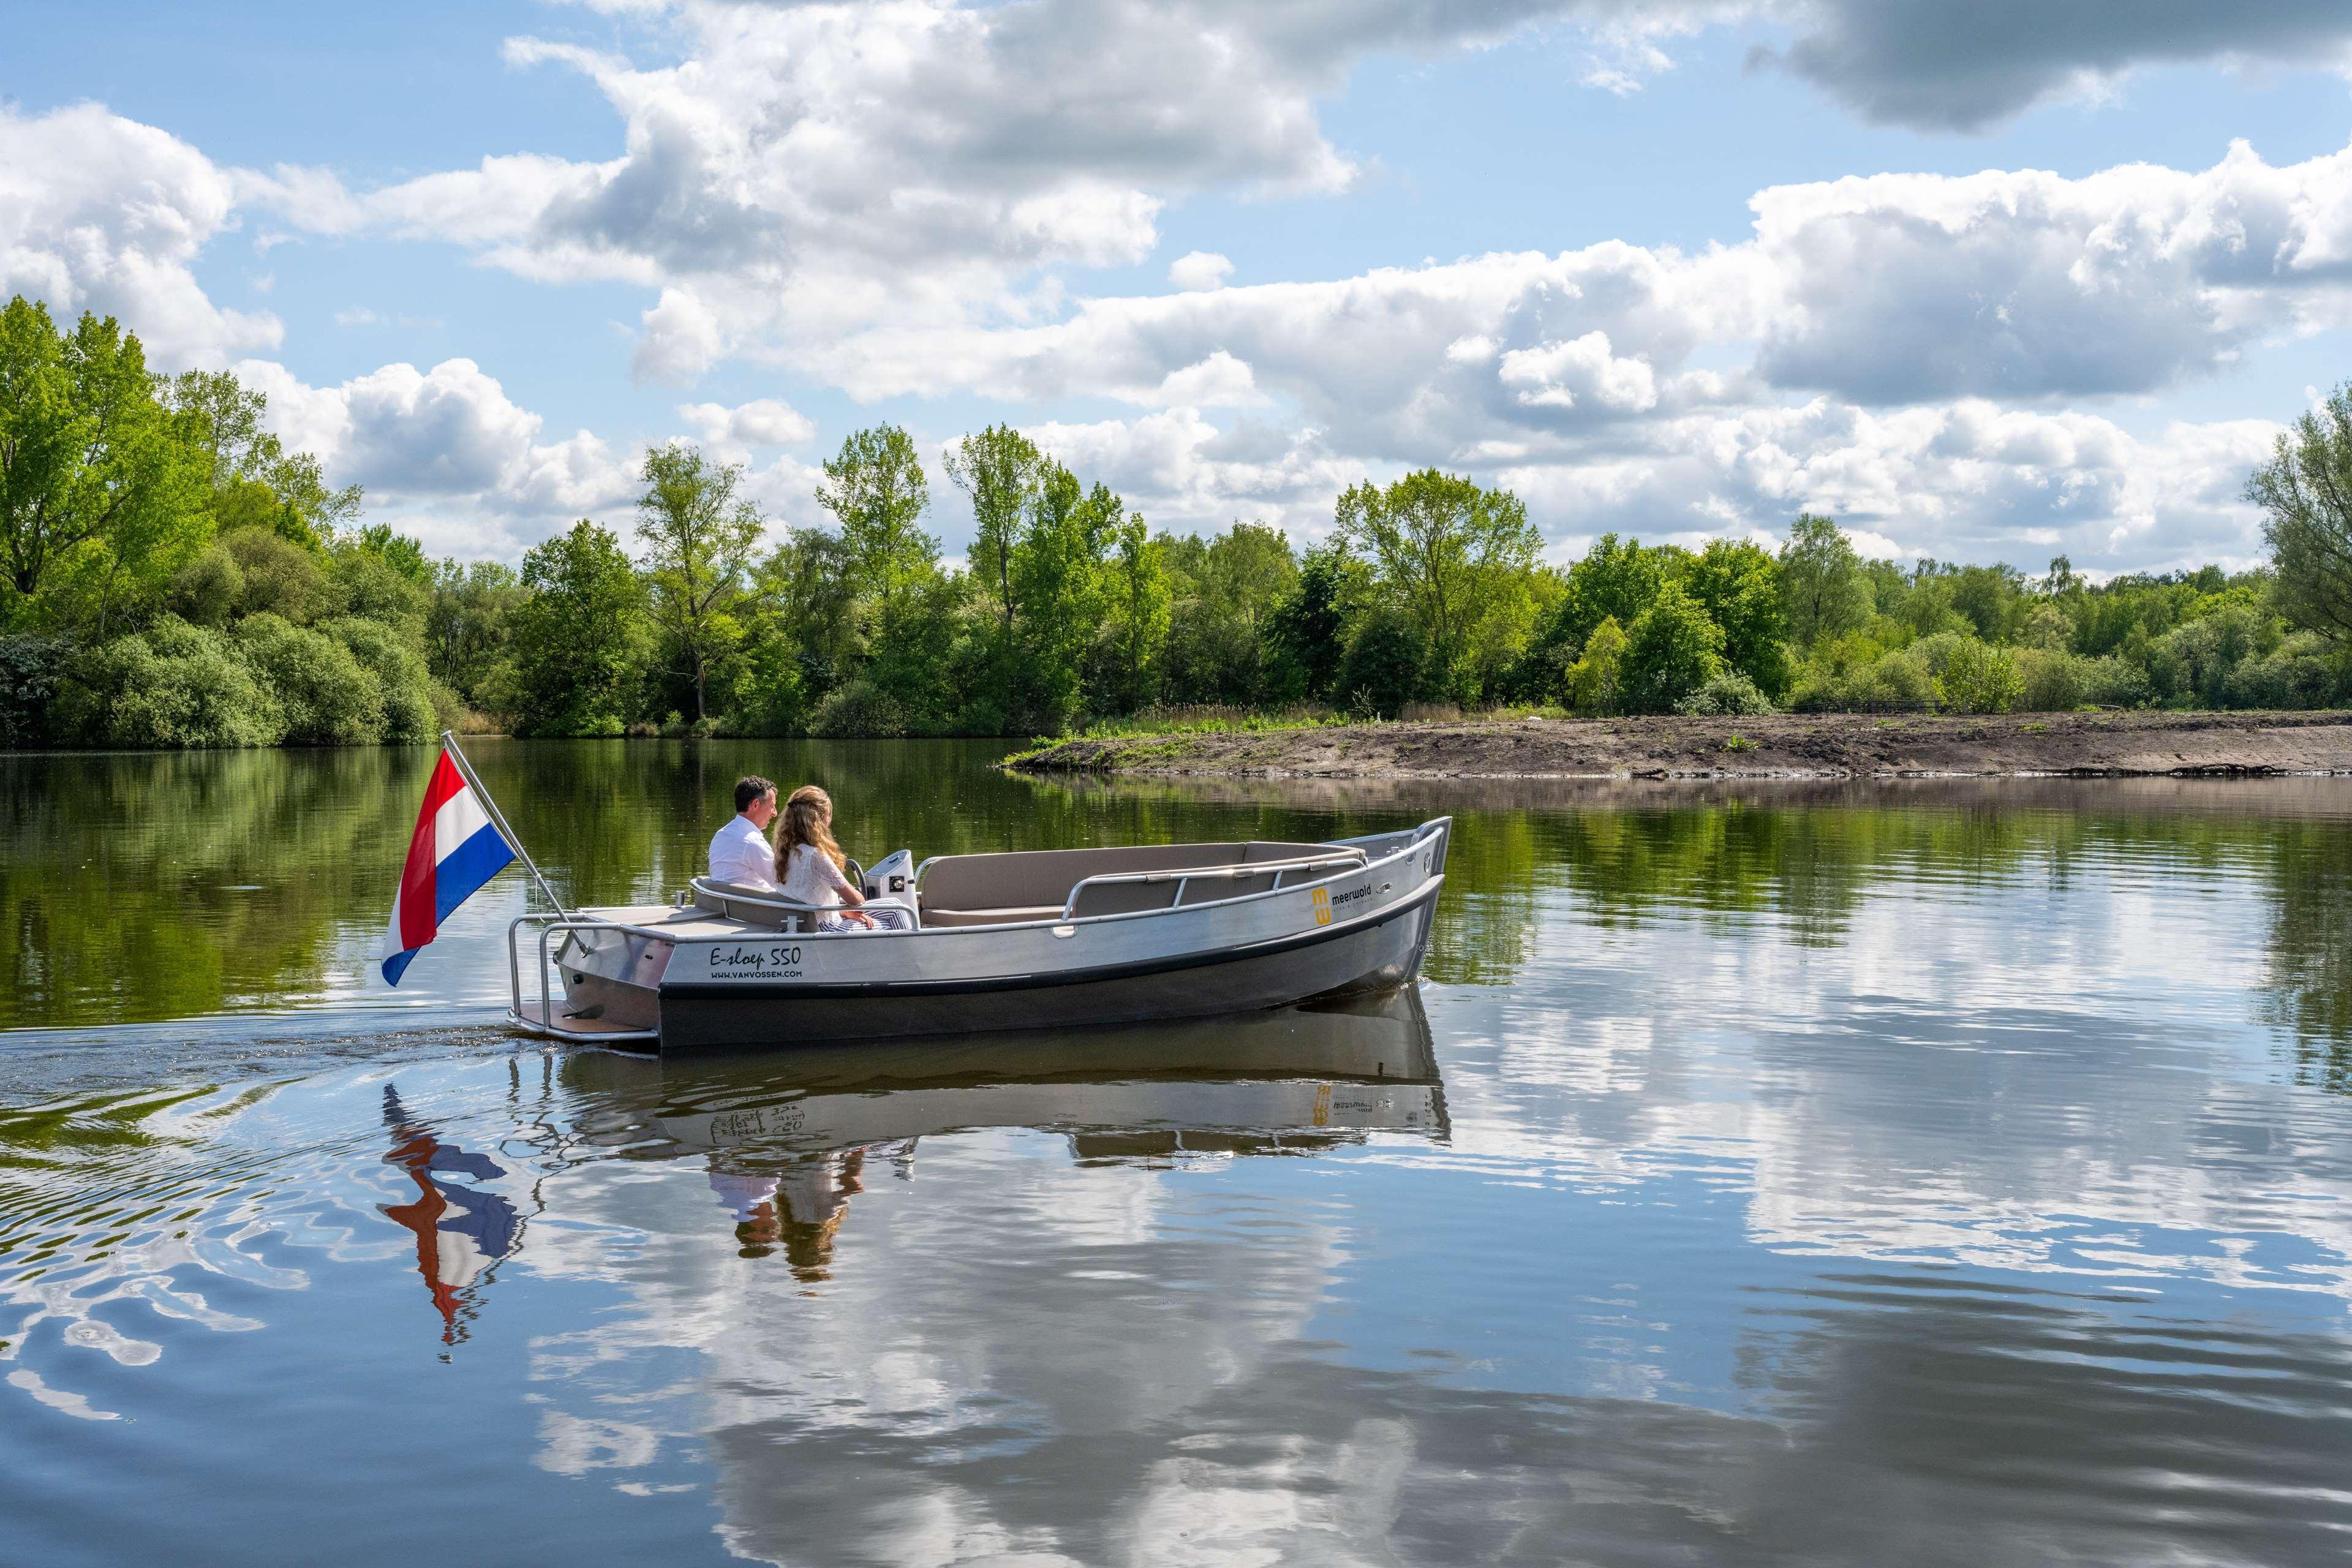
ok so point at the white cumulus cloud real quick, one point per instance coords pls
(1199, 270)
(763, 422)
(102, 213)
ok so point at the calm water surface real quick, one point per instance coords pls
(1909, 1173)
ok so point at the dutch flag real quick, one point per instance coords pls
(457, 849)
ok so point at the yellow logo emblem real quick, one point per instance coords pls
(1322, 905)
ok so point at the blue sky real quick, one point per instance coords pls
(1596, 251)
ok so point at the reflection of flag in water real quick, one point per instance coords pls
(460, 1231)
(455, 850)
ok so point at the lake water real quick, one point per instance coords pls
(1918, 1174)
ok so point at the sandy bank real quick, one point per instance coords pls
(1787, 745)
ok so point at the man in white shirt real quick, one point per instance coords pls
(740, 852)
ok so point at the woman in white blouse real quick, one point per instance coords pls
(809, 865)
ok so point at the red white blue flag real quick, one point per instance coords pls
(457, 849)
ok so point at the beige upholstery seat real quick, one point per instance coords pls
(998, 889)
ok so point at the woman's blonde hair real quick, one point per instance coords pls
(806, 820)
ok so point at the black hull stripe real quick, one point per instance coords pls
(707, 990)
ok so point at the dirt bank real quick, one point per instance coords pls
(1783, 745)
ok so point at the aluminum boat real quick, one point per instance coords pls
(1030, 940)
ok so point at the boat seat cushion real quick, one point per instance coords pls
(1041, 879)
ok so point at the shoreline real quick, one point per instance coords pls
(2119, 744)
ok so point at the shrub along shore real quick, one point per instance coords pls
(171, 576)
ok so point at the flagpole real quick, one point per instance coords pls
(466, 766)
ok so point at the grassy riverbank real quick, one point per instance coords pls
(1778, 745)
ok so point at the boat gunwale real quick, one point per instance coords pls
(1043, 978)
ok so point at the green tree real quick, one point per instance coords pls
(2306, 494)
(1307, 630)
(1137, 584)
(1223, 588)
(1991, 599)
(700, 532)
(1386, 663)
(1616, 580)
(1671, 651)
(806, 584)
(575, 634)
(770, 690)
(255, 481)
(1447, 550)
(101, 492)
(911, 656)
(466, 625)
(877, 490)
(1058, 581)
(1824, 592)
(1738, 586)
(1596, 682)
(999, 470)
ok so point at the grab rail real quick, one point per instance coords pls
(1206, 874)
(548, 924)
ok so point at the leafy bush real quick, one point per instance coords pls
(2114, 682)
(1384, 661)
(2297, 674)
(2054, 681)
(857, 712)
(207, 590)
(280, 577)
(1726, 691)
(2192, 663)
(31, 667)
(1977, 677)
(386, 653)
(2050, 681)
(370, 586)
(1897, 682)
(174, 685)
(327, 696)
(450, 713)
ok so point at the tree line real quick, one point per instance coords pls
(171, 576)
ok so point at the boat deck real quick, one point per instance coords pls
(532, 1017)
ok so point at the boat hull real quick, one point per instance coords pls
(1377, 954)
(694, 976)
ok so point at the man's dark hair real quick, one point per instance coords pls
(748, 790)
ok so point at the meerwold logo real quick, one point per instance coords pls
(1322, 905)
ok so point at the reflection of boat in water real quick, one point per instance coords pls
(1036, 939)
(789, 1136)
(1290, 1080)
